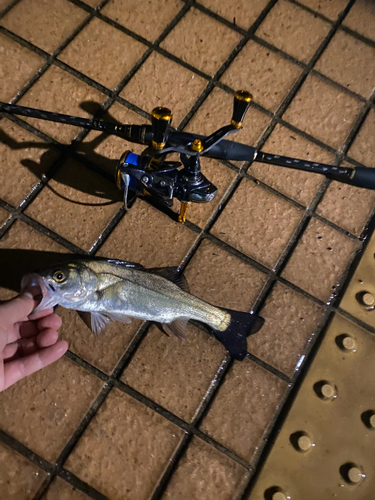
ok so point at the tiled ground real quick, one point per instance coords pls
(134, 414)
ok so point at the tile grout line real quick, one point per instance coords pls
(318, 195)
(216, 77)
(5, 11)
(315, 13)
(358, 36)
(218, 83)
(46, 486)
(112, 95)
(330, 309)
(282, 108)
(50, 58)
(217, 388)
(340, 228)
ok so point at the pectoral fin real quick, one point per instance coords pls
(177, 327)
(98, 322)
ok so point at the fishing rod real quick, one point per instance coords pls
(150, 174)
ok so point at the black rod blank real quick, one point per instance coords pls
(132, 133)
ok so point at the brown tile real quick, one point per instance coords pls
(147, 236)
(24, 160)
(298, 185)
(222, 279)
(162, 82)
(216, 111)
(204, 473)
(148, 22)
(103, 53)
(350, 62)
(106, 150)
(244, 407)
(18, 65)
(4, 4)
(257, 223)
(22, 250)
(4, 216)
(347, 206)
(60, 92)
(322, 250)
(175, 374)
(201, 41)
(364, 143)
(43, 410)
(243, 13)
(45, 23)
(19, 478)
(104, 350)
(293, 30)
(84, 200)
(330, 9)
(290, 321)
(222, 177)
(60, 490)
(323, 111)
(361, 18)
(125, 449)
(262, 72)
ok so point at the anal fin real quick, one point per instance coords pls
(176, 327)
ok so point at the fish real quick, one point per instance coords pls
(105, 290)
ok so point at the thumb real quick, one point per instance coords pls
(19, 308)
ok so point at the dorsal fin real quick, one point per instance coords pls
(171, 274)
(133, 265)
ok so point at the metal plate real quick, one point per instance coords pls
(359, 297)
(326, 447)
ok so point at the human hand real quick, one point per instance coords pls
(28, 342)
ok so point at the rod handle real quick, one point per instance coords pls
(363, 177)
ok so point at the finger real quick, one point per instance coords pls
(52, 321)
(17, 309)
(47, 338)
(20, 368)
(10, 350)
(30, 328)
(40, 314)
(27, 346)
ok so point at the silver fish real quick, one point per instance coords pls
(117, 290)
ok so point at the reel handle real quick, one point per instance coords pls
(161, 119)
(242, 100)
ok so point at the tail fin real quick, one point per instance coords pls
(241, 326)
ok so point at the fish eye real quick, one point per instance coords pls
(59, 277)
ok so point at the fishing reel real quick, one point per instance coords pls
(149, 174)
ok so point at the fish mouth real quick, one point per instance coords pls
(44, 292)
